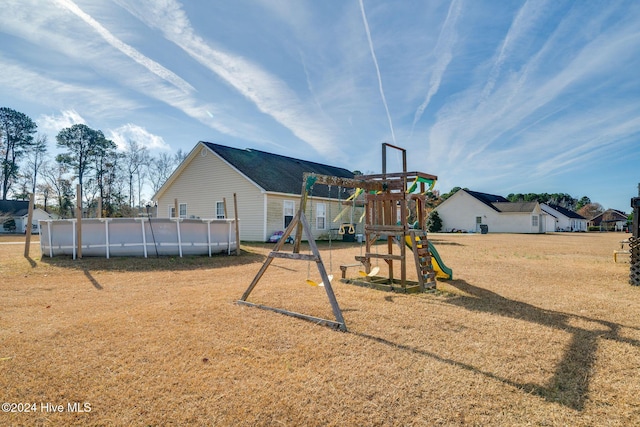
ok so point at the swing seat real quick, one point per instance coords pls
(312, 283)
(372, 273)
(346, 228)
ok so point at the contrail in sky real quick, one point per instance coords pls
(375, 62)
(131, 52)
(443, 53)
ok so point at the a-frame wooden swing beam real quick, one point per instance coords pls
(299, 219)
(300, 223)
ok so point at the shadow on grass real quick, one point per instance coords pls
(93, 280)
(570, 384)
(438, 242)
(162, 263)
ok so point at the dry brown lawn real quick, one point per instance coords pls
(535, 330)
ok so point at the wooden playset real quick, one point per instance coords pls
(389, 198)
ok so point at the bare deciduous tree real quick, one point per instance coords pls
(160, 169)
(35, 159)
(136, 157)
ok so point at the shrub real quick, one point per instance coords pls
(9, 225)
(434, 222)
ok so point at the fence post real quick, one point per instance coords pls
(27, 243)
(235, 210)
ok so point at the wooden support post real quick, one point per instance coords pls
(235, 210)
(635, 204)
(27, 243)
(303, 207)
(176, 213)
(79, 220)
(389, 260)
(224, 204)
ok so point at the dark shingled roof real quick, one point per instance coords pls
(613, 215)
(566, 212)
(14, 207)
(277, 173)
(488, 199)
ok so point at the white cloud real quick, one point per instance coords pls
(488, 118)
(523, 25)
(128, 50)
(375, 63)
(37, 87)
(132, 132)
(269, 94)
(53, 124)
(443, 53)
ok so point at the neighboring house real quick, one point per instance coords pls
(562, 219)
(469, 210)
(610, 220)
(268, 188)
(14, 215)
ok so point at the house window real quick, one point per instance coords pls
(172, 211)
(478, 220)
(183, 210)
(220, 210)
(288, 209)
(534, 221)
(321, 216)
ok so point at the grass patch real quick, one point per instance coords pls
(535, 330)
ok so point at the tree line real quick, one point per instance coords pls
(111, 178)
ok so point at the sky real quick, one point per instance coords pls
(497, 96)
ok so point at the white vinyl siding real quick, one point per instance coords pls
(201, 181)
(461, 212)
(275, 214)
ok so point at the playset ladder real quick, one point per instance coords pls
(422, 256)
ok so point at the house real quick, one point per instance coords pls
(610, 220)
(470, 211)
(14, 215)
(562, 219)
(268, 188)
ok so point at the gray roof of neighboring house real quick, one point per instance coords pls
(14, 207)
(501, 204)
(566, 212)
(515, 206)
(277, 173)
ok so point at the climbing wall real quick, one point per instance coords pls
(634, 242)
(634, 273)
